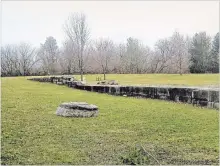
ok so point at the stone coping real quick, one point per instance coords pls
(161, 86)
(79, 106)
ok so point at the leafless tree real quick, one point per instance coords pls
(163, 55)
(48, 54)
(175, 54)
(88, 58)
(9, 61)
(68, 59)
(180, 52)
(27, 58)
(136, 56)
(103, 53)
(77, 31)
(132, 55)
(144, 62)
(122, 56)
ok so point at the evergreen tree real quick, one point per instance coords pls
(199, 51)
(213, 64)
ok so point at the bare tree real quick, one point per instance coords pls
(132, 54)
(163, 55)
(77, 31)
(175, 54)
(9, 61)
(180, 52)
(103, 54)
(27, 58)
(122, 56)
(48, 54)
(68, 60)
(18, 59)
(88, 58)
(144, 62)
(137, 56)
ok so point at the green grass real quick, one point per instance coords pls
(174, 79)
(32, 134)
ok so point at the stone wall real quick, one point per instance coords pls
(204, 97)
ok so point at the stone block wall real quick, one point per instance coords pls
(204, 97)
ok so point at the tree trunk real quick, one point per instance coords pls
(81, 67)
(68, 70)
(81, 73)
(180, 68)
(104, 74)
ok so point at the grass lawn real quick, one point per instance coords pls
(174, 79)
(32, 134)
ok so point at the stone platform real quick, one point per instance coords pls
(77, 109)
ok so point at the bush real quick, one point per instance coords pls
(136, 156)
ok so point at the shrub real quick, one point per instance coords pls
(136, 156)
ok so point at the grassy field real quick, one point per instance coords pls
(32, 134)
(170, 79)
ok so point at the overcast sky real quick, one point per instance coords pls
(147, 20)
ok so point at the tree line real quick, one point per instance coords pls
(79, 54)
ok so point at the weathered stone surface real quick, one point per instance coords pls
(59, 83)
(77, 109)
(102, 82)
(77, 83)
(198, 96)
(105, 82)
(79, 105)
(112, 82)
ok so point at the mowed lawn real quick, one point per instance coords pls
(158, 79)
(32, 134)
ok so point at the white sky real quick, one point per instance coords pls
(147, 20)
